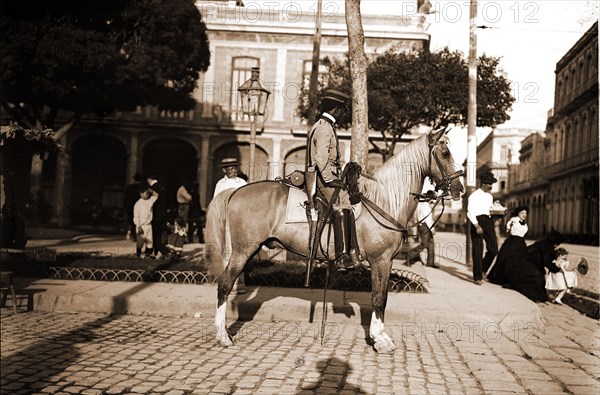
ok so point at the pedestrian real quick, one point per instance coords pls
(516, 228)
(195, 223)
(159, 216)
(231, 180)
(426, 230)
(482, 226)
(184, 199)
(177, 235)
(142, 219)
(130, 198)
(562, 281)
(324, 155)
(526, 271)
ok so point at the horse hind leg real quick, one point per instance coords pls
(232, 271)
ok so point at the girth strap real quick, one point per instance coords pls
(397, 226)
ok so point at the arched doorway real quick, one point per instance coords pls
(98, 169)
(295, 160)
(174, 162)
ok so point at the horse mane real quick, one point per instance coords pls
(390, 186)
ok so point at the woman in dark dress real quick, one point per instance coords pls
(525, 271)
(513, 245)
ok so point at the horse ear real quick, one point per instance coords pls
(437, 134)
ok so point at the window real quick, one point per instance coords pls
(306, 71)
(240, 73)
(504, 152)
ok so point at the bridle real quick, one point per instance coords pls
(447, 178)
(443, 185)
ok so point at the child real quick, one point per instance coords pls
(142, 219)
(562, 280)
(178, 235)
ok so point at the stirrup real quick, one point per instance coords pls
(358, 262)
(344, 263)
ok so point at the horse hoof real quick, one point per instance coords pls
(225, 342)
(385, 347)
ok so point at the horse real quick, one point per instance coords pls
(241, 221)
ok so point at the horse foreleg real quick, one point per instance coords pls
(382, 341)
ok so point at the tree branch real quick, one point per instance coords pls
(20, 114)
(67, 126)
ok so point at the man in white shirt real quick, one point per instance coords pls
(142, 219)
(482, 226)
(230, 178)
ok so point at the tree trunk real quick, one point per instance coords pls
(358, 71)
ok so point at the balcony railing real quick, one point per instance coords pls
(587, 157)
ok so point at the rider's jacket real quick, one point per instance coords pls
(324, 148)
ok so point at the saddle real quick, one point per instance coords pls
(317, 208)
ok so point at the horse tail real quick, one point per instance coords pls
(216, 234)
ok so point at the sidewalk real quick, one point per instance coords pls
(452, 297)
(457, 339)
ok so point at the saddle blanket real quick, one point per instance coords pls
(296, 212)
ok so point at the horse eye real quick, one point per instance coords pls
(446, 154)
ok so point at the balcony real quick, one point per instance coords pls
(584, 159)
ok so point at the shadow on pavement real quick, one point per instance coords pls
(583, 301)
(333, 375)
(455, 272)
(61, 348)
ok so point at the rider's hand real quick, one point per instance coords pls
(335, 183)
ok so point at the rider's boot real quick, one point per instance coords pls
(359, 262)
(344, 233)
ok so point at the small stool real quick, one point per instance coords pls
(6, 283)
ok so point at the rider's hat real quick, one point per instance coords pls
(338, 96)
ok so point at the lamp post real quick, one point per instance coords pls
(254, 96)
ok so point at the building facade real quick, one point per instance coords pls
(527, 183)
(102, 154)
(561, 182)
(497, 151)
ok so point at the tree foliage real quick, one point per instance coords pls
(412, 89)
(98, 56)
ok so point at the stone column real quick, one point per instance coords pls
(133, 155)
(275, 163)
(37, 165)
(279, 93)
(203, 171)
(62, 190)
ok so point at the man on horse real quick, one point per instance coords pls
(324, 157)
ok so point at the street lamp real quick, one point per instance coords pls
(254, 96)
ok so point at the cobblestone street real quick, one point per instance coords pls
(98, 354)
